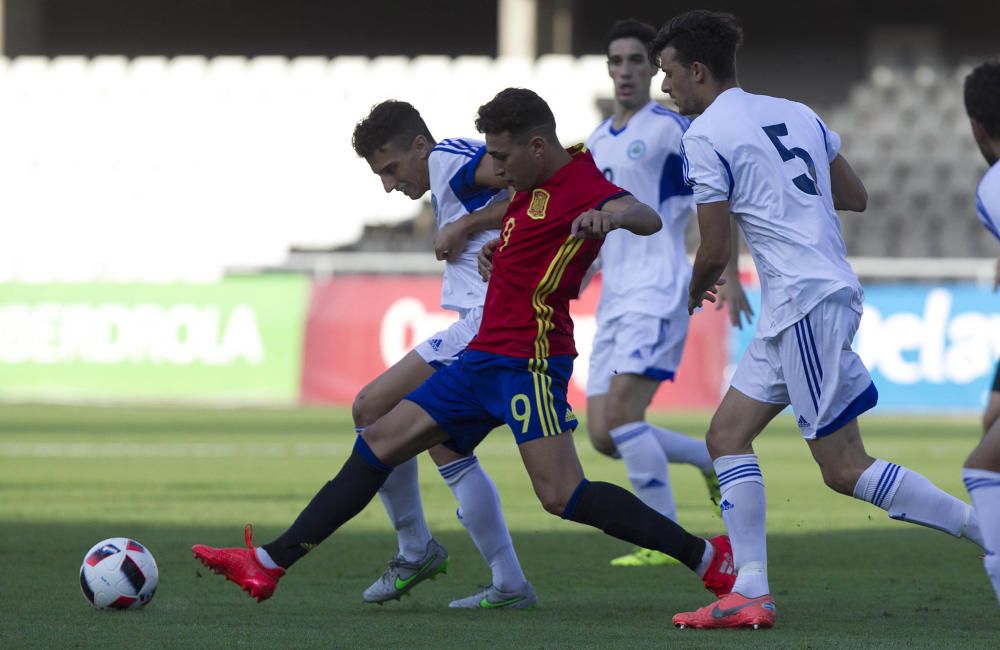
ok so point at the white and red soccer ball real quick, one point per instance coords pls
(118, 573)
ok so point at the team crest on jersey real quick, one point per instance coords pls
(539, 203)
(636, 148)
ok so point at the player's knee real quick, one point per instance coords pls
(616, 414)
(601, 440)
(990, 418)
(382, 443)
(840, 478)
(358, 409)
(553, 499)
(716, 441)
(364, 409)
(599, 432)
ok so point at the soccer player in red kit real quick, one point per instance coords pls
(514, 372)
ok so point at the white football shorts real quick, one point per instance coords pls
(442, 348)
(811, 366)
(636, 344)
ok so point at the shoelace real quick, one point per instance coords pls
(248, 535)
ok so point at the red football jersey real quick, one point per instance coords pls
(538, 265)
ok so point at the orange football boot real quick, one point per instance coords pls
(241, 566)
(731, 611)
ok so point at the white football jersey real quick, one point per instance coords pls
(988, 200)
(454, 194)
(770, 158)
(648, 275)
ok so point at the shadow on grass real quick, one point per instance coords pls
(888, 588)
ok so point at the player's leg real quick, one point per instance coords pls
(644, 458)
(559, 483)
(400, 494)
(829, 387)
(757, 394)
(653, 348)
(401, 434)
(737, 422)
(623, 410)
(531, 396)
(640, 351)
(981, 474)
(992, 412)
(902, 492)
(480, 512)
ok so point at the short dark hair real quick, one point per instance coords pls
(982, 96)
(630, 28)
(708, 37)
(391, 122)
(521, 112)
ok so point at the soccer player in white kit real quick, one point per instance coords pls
(642, 318)
(981, 472)
(468, 205)
(774, 167)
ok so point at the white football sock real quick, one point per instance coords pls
(265, 558)
(680, 448)
(706, 559)
(480, 513)
(744, 510)
(400, 495)
(908, 496)
(646, 465)
(984, 490)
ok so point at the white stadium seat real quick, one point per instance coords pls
(163, 169)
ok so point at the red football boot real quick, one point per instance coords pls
(721, 573)
(731, 611)
(240, 565)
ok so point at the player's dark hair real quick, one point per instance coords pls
(390, 123)
(521, 112)
(708, 37)
(630, 28)
(982, 96)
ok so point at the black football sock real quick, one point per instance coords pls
(621, 514)
(335, 504)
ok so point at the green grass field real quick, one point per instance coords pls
(844, 575)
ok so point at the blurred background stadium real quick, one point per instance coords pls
(183, 217)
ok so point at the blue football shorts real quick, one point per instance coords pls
(481, 391)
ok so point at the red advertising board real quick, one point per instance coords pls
(360, 325)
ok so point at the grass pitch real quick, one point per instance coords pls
(844, 575)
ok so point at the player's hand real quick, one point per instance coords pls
(449, 242)
(485, 258)
(711, 295)
(996, 276)
(732, 295)
(593, 224)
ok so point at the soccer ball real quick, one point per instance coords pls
(118, 573)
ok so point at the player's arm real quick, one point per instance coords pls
(731, 292)
(848, 191)
(714, 253)
(622, 212)
(449, 242)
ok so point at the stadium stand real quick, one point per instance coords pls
(156, 169)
